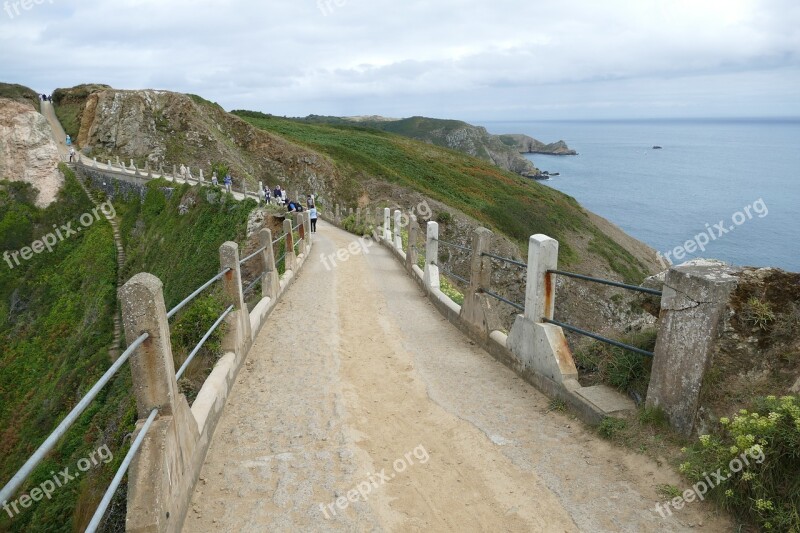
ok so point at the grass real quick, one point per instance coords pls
(20, 93)
(504, 202)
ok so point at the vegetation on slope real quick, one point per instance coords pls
(508, 203)
(57, 324)
(69, 104)
(19, 93)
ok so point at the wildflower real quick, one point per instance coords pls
(734, 450)
(705, 440)
(729, 493)
(764, 505)
(724, 420)
(747, 476)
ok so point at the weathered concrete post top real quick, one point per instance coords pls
(413, 235)
(540, 286)
(473, 311)
(152, 366)
(387, 234)
(290, 262)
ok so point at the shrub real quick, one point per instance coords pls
(767, 490)
(610, 427)
(443, 217)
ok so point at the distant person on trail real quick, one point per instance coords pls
(72, 155)
(214, 180)
(228, 182)
(267, 194)
(69, 140)
(291, 207)
(312, 213)
(310, 201)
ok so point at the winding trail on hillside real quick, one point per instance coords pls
(356, 373)
(59, 136)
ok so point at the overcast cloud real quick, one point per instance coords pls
(458, 59)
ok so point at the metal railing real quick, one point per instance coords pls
(598, 337)
(515, 305)
(453, 275)
(453, 245)
(506, 260)
(22, 474)
(192, 296)
(200, 344)
(605, 282)
(254, 254)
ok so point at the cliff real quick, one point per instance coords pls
(529, 145)
(501, 150)
(28, 152)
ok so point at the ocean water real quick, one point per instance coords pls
(733, 183)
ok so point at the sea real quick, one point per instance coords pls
(727, 189)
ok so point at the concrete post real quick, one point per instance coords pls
(307, 226)
(152, 366)
(398, 238)
(536, 344)
(692, 320)
(165, 465)
(336, 214)
(358, 216)
(270, 282)
(473, 310)
(260, 192)
(431, 277)
(117, 160)
(109, 165)
(387, 231)
(175, 173)
(413, 235)
(540, 288)
(291, 258)
(94, 162)
(239, 320)
(299, 220)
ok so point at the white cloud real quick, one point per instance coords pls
(448, 58)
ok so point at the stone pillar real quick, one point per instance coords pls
(301, 230)
(94, 162)
(387, 230)
(109, 164)
(260, 192)
(398, 238)
(358, 216)
(291, 258)
(431, 277)
(175, 173)
(536, 344)
(239, 319)
(117, 160)
(152, 366)
(202, 179)
(136, 171)
(164, 467)
(413, 236)
(270, 282)
(473, 310)
(693, 313)
(307, 226)
(132, 165)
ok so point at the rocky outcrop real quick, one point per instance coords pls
(162, 128)
(28, 151)
(528, 145)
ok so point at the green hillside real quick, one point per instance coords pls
(56, 325)
(505, 202)
(19, 93)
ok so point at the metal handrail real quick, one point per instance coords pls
(251, 285)
(23, 473)
(453, 245)
(196, 349)
(249, 257)
(279, 239)
(509, 302)
(281, 258)
(605, 282)
(297, 226)
(123, 468)
(598, 337)
(195, 293)
(505, 259)
(456, 276)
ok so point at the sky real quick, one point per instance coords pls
(464, 59)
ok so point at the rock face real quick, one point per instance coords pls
(162, 128)
(27, 149)
(529, 145)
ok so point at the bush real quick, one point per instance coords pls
(443, 217)
(767, 490)
(610, 427)
(360, 228)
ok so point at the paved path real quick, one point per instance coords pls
(357, 382)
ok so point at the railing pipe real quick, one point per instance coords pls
(606, 282)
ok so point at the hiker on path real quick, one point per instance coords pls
(228, 181)
(312, 213)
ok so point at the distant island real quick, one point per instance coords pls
(502, 150)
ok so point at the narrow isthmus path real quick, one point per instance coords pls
(361, 409)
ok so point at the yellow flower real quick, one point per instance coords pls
(734, 450)
(705, 440)
(724, 420)
(729, 493)
(747, 476)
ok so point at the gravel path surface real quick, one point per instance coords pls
(357, 383)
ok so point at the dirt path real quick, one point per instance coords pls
(357, 382)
